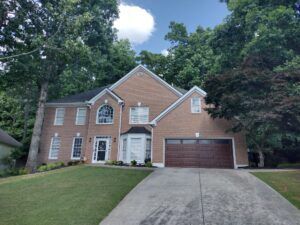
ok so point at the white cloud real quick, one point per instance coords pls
(134, 23)
(165, 52)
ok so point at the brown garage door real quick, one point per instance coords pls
(199, 153)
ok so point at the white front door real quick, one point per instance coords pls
(100, 153)
(136, 149)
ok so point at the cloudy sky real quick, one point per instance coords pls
(145, 22)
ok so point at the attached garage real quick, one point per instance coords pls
(205, 153)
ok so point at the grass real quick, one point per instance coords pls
(286, 183)
(71, 196)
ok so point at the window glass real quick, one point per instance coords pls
(54, 148)
(204, 142)
(189, 141)
(80, 116)
(59, 116)
(220, 141)
(124, 149)
(196, 105)
(139, 115)
(148, 149)
(105, 114)
(173, 141)
(77, 146)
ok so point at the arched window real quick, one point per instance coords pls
(105, 114)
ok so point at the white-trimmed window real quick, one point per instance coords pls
(59, 116)
(77, 146)
(105, 114)
(196, 105)
(148, 149)
(124, 149)
(139, 115)
(80, 116)
(54, 148)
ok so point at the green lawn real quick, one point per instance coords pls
(75, 195)
(286, 183)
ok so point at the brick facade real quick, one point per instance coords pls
(140, 89)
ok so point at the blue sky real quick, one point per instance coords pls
(152, 18)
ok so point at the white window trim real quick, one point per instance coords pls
(76, 158)
(97, 116)
(130, 122)
(76, 120)
(49, 156)
(192, 108)
(55, 121)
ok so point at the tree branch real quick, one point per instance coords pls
(21, 54)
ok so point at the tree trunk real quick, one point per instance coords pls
(37, 129)
(261, 157)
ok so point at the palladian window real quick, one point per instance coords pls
(105, 114)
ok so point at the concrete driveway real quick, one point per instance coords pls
(203, 196)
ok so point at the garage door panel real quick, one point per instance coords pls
(199, 153)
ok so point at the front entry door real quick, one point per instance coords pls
(100, 150)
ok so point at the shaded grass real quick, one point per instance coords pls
(286, 183)
(71, 196)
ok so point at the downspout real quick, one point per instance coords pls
(152, 131)
(120, 128)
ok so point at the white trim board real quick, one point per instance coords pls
(176, 103)
(103, 92)
(144, 69)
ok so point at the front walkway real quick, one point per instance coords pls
(203, 196)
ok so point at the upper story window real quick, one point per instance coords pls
(105, 115)
(80, 116)
(196, 105)
(59, 116)
(54, 148)
(139, 115)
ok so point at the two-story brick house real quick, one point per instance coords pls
(139, 117)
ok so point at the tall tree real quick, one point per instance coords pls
(41, 39)
(256, 85)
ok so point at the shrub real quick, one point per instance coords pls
(148, 164)
(147, 160)
(115, 162)
(288, 165)
(109, 162)
(133, 163)
(42, 168)
(74, 162)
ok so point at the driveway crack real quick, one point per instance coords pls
(201, 197)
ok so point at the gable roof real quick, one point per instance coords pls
(92, 95)
(178, 102)
(105, 91)
(80, 97)
(141, 68)
(5, 138)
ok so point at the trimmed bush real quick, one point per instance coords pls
(74, 162)
(288, 165)
(50, 166)
(148, 164)
(133, 163)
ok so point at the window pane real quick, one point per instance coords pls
(77, 146)
(54, 149)
(196, 105)
(139, 115)
(148, 149)
(189, 141)
(59, 116)
(173, 141)
(124, 149)
(80, 117)
(105, 114)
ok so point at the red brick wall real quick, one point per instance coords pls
(111, 130)
(143, 88)
(66, 132)
(181, 123)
